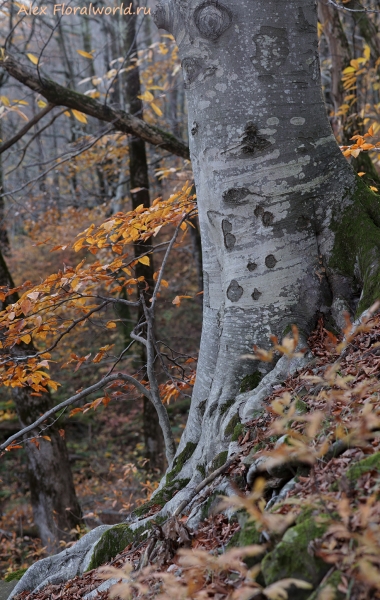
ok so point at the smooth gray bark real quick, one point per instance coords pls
(271, 183)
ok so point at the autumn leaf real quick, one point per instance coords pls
(144, 260)
(85, 54)
(177, 300)
(81, 117)
(156, 109)
(32, 58)
(111, 325)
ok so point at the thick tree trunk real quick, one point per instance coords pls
(56, 510)
(288, 231)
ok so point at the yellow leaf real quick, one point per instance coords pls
(111, 325)
(85, 54)
(24, 102)
(81, 117)
(32, 58)
(146, 97)
(67, 113)
(144, 260)
(26, 338)
(367, 52)
(373, 188)
(4, 100)
(361, 174)
(41, 103)
(156, 109)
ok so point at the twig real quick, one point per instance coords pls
(26, 128)
(97, 386)
(203, 484)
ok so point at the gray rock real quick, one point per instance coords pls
(61, 567)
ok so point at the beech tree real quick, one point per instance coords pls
(289, 232)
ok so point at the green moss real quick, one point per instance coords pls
(231, 425)
(181, 459)
(208, 505)
(218, 461)
(291, 558)
(371, 463)
(250, 382)
(247, 536)
(225, 407)
(238, 431)
(331, 583)
(113, 541)
(162, 497)
(202, 470)
(357, 239)
(15, 575)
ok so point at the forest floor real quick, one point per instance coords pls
(330, 413)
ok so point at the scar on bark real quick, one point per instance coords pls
(229, 238)
(251, 266)
(212, 19)
(236, 196)
(256, 294)
(266, 216)
(235, 291)
(252, 140)
(271, 261)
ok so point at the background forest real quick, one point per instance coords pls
(71, 176)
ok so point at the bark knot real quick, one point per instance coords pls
(235, 291)
(212, 19)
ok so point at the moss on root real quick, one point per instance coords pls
(291, 558)
(250, 382)
(113, 541)
(181, 459)
(357, 243)
(218, 461)
(231, 425)
(162, 497)
(226, 406)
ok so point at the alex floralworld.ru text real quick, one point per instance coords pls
(65, 10)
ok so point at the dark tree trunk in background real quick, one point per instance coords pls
(56, 509)
(288, 230)
(139, 185)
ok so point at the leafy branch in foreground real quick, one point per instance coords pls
(45, 314)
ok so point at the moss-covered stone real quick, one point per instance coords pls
(113, 541)
(181, 459)
(226, 406)
(371, 463)
(15, 575)
(210, 503)
(248, 535)
(330, 584)
(218, 461)
(250, 382)
(357, 239)
(291, 557)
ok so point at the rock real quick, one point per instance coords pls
(291, 558)
(60, 567)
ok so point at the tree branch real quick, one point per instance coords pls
(97, 386)
(26, 128)
(59, 95)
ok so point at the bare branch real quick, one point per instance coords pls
(83, 394)
(26, 128)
